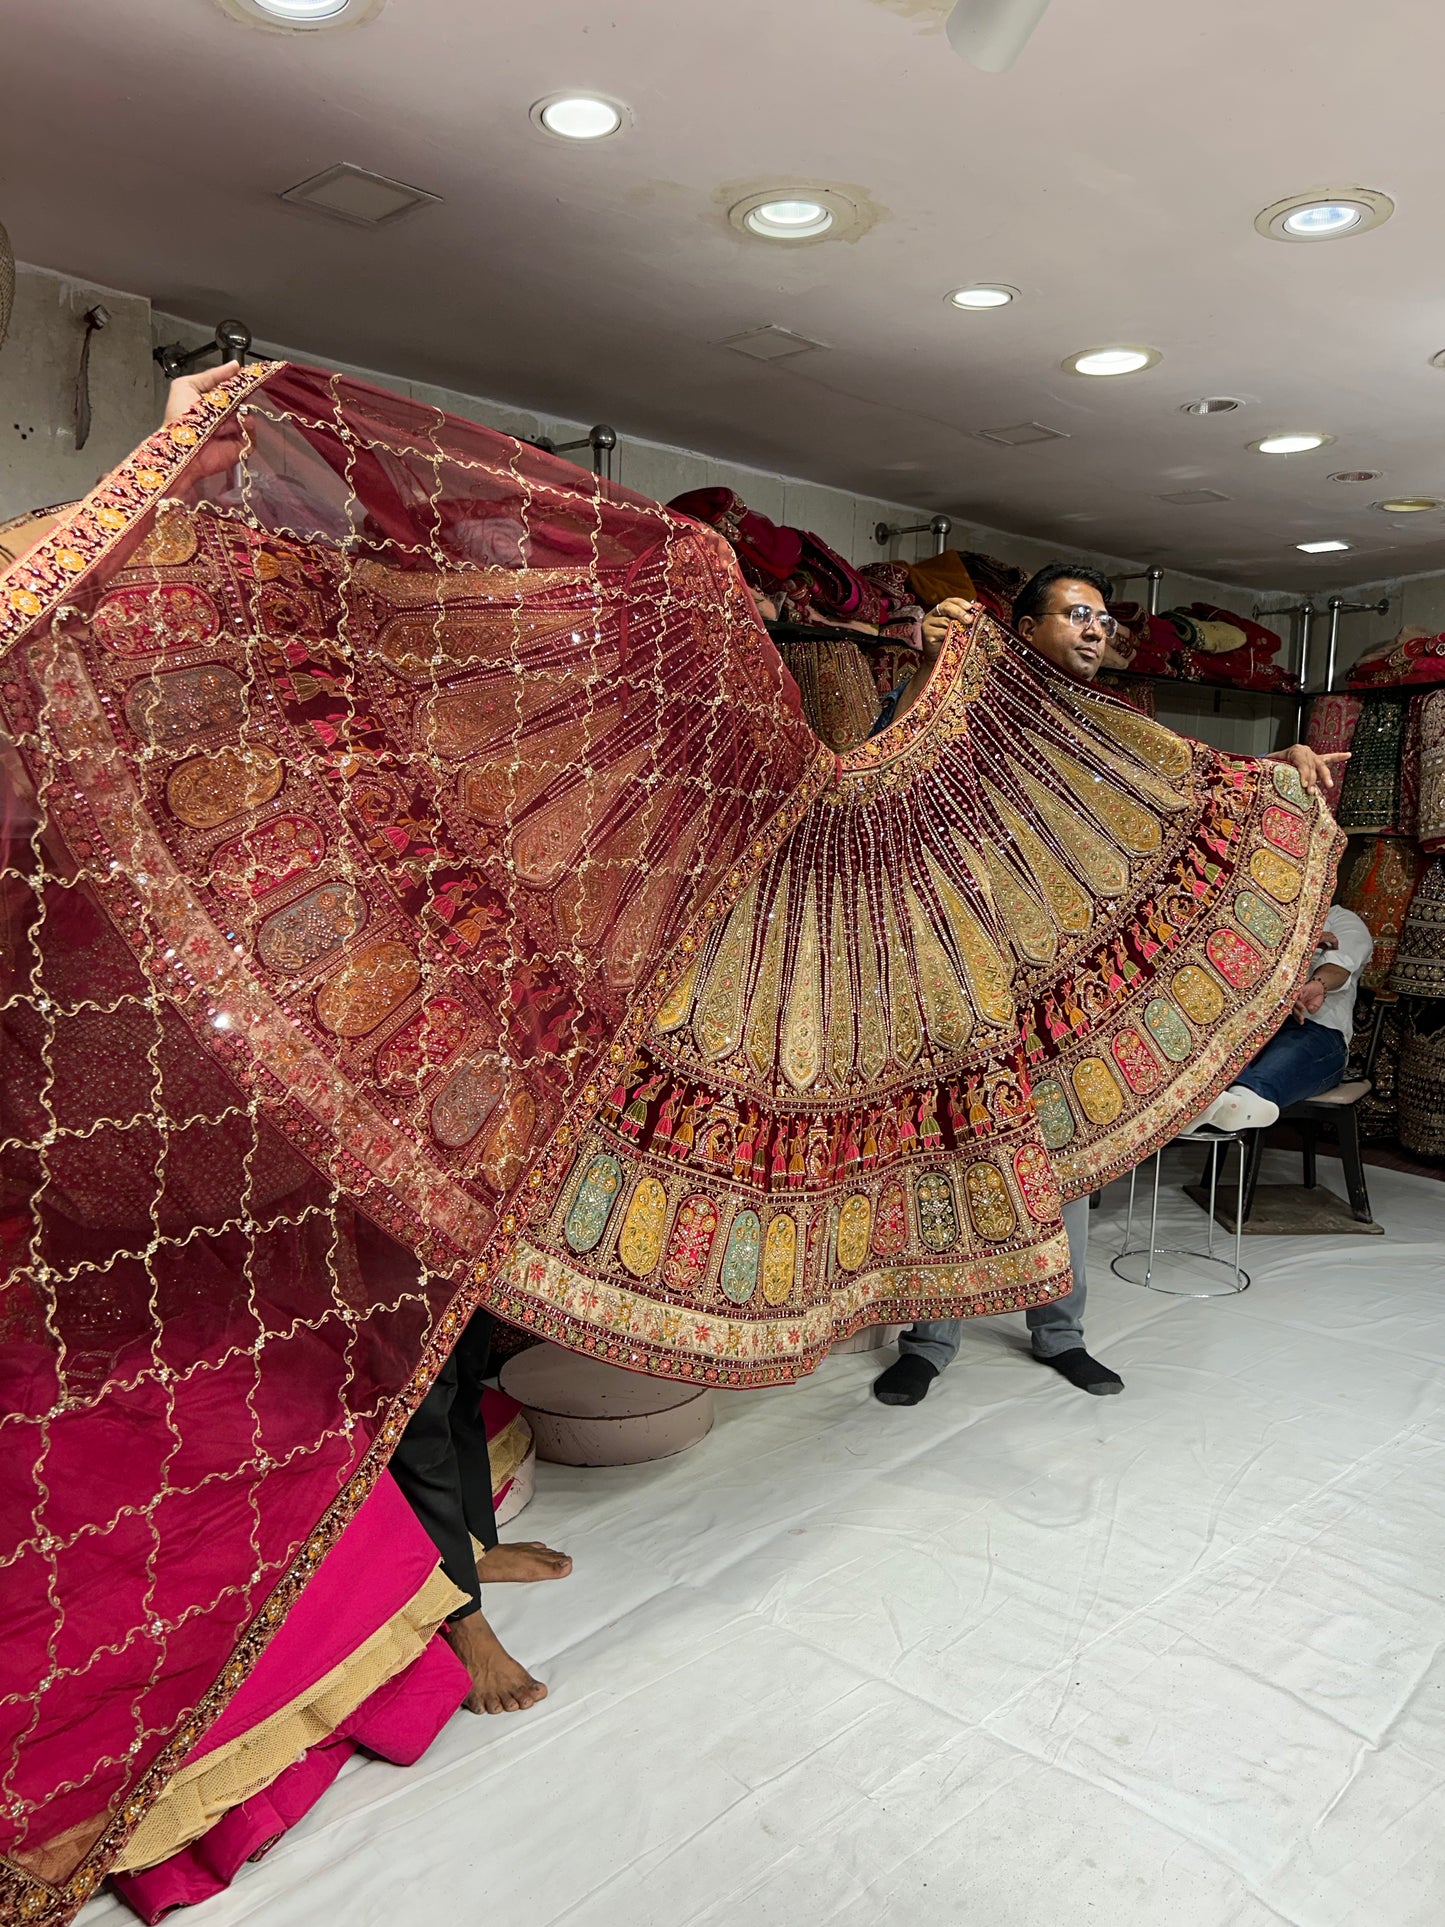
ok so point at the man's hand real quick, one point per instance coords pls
(187, 390)
(935, 624)
(1319, 774)
(1310, 999)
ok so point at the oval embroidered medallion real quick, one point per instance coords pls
(780, 1259)
(854, 1223)
(989, 1204)
(205, 791)
(592, 1206)
(937, 1214)
(1098, 1090)
(1034, 1170)
(1197, 994)
(266, 857)
(1258, 918)
(1287, 829)
(639, 1243)
(739, 1275)
(890, 1221)
(367, 988)
(1168, 1029)
(312, 927)
(1273, 873)
(692, 1234)
(1051, 1108)
(464, 1103)
(1142, 1070)
(1238, 962)
(184, 703)
(168, 615)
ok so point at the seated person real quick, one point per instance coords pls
(1307, 1055)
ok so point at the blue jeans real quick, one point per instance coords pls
(1299, 1061)
(1056, 1327)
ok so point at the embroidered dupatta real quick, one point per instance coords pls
(422, 890)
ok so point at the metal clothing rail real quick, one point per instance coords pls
(940, 528)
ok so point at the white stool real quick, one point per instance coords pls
(1126, 1265)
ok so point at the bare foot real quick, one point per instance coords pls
(500, 1684)
(521, 1562)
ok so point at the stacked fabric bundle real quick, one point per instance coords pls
(1200, 643)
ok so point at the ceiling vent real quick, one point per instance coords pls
(352, 194)
(1021, 434)
(1194, 498)
(770, 344)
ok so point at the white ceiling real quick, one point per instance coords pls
(1113, 177)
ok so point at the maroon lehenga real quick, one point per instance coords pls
(407, 831)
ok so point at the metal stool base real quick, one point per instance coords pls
(1151, 1252)
(1178, 1291)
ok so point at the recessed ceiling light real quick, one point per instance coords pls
(1320, 548)
(1212, 405)
(1325, 216)
(985, 295)
(789, 220)
(578, 117)
(1410, 504)
(1356, 475)
(796, 215)
(1290, 444)
(1112, 361)
(303, 16)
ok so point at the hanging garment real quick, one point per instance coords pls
(1421, 1080)
(1332, 721)
(940, 578)
(1429, 721)
(1378, 879)
(1412, 658)
(1370, 796)
(403, 826)
(836, 683)
(1418, 969)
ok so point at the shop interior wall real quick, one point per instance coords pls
(37, 384)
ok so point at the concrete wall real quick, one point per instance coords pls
(39, 462)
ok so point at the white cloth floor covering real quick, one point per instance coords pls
(1017, 1657)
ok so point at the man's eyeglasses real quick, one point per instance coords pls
(1081, 615)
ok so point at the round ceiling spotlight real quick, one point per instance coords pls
(984, 294)
(789, 220)
(1356, 475)
(1112, 361)
(302, 16)
(795, 215)
(578, 117)
(1325, 216)
(1290, 444)
(1410, 504)
(1212, 405)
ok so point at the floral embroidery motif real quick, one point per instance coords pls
(182, 704)
(167, 615)
(937, 1213)
(989, 1204)
(1098, 1090)
(639, 1243)
(1272, 873)
(692, 1237)
(1168, 1028)
(1288, 829)
(465, 1102)
(853, 1225)
(1197, 994)
(367, 988)
(1056, 1120)
(1035, 1173)
(780, 1259)
(209, 790)
(1142, 1070)
(1258, 918)
(313, 927)
(1238, 962)
(592, 1206)
(890, 1221)
(739, 1275)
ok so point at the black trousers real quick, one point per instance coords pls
(442, 1466)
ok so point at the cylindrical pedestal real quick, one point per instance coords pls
(872, 1338)
(583, 1412)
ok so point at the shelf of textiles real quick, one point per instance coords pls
(1391, 719)
(849, 635)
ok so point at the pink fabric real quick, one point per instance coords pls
(398, 1723)
(381, 1561)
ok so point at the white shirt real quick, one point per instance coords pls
(1357, 947)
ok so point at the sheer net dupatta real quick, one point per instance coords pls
(365, 774)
